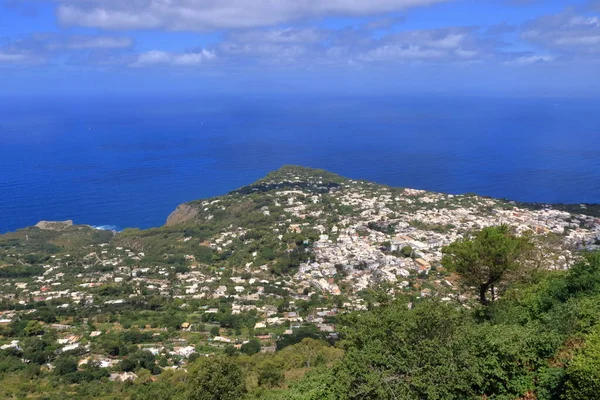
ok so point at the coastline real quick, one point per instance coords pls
(590, 209)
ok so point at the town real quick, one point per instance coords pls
(252, 271)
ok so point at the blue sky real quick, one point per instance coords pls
(507, 47)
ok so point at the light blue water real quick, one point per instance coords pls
(130, 162)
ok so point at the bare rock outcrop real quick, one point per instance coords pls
(182, 214)
(54, 225)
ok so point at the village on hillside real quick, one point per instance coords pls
(309, 248)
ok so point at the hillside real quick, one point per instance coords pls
(307, 285)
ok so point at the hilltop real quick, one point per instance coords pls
(289, 177)
(299, 219)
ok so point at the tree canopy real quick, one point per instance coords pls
(487, 259)
(219, 378)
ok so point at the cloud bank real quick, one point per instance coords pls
(566, 33)
(204, 15)
(262, 34)
(41, 47)
(157, 57)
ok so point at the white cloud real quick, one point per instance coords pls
(400, 53)
(45, 43)
(308, 47)
(11, 58)
(98, 42)
(530, 60)
(466, 53)
(54, 42)
(303, 47)
(282, 36)
(157, 57)
(451, 41)
(578, 41)
(215, 14)
(107, 18)
(277, 46)
(435, 45)
(43, 47)
(565, 33)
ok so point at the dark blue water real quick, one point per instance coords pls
(129, 162)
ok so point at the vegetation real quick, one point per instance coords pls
(538, 341)
(212, 307)
(487, 259)
(217, 378)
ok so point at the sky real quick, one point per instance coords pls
(487, 47)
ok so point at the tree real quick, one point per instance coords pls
(229, 350)
(127, 365)
(163, 361)
(406, 251)
(214, 330)
(270, 373)
(37, 350)
(172, 320)
(394, 352)
(487, 259)
(316, 384)
(218, 378)
(583, 373)
(144, 376)
(140, 359)
(65, 365)
(252, 347)
(310, 349)
(308, 331)
(33, 328)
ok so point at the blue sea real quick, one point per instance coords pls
(129, 161)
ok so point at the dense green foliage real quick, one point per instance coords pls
(538, 342)
(485, 260)
(583, 375)
(216, 379)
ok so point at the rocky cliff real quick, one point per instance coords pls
(182, 214)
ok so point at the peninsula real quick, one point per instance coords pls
(293, 286)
